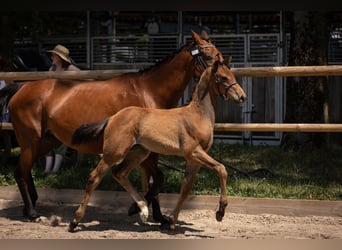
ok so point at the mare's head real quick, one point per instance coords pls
(204, 52)
(226, 83)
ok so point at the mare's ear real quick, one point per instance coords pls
(228, 60)
(196, 37)
(204, 35)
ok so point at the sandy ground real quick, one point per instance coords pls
(104, 222)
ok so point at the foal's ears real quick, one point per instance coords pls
(215, 65)
(228, 60)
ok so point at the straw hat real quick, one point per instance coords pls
(61, 51)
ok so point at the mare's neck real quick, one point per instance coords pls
(171, 78)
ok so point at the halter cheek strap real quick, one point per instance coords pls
(196, 53)
(225, 85)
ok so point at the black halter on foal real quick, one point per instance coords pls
(220, 80)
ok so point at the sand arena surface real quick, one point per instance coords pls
(107, 219)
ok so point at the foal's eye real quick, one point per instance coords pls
(223, 78)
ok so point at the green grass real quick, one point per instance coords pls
(306, 173)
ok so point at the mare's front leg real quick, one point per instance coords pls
(120, 173)
(25, 183)
(94, 180)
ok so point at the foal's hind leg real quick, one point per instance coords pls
(121, 173)
(188, 181)
(94, 179)
(150, 166)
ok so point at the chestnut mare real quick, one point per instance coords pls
(45, 113)
(134, 132)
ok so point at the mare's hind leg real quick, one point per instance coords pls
(94, 179)
(150, 166)
(120, 173)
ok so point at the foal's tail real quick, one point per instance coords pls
(6, 94)
(88, 132)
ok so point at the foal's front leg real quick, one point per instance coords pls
(207, 161)
(198, 158)
(94, 179)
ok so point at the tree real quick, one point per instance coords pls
(307, 97)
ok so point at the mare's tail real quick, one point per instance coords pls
(6, 94)
(88, 132)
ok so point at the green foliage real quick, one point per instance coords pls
(259, 171)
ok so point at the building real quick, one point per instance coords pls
(136, 40)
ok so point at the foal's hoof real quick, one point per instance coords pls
(133, 209)
(219, 215)
(167, 225)
(144, 214)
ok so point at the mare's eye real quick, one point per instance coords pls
(208, 58)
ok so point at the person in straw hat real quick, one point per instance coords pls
(61, 61)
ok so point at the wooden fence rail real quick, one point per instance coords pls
(330, 70)
(278, 127)
(257, 127)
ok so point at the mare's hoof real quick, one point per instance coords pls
(32, 215)
(133, 209)
(163, 220)
(72, 226)
(165, 227)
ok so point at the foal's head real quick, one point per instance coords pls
(227, 85)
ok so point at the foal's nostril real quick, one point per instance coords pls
(242, 98)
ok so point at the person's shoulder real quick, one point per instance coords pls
(73, 67)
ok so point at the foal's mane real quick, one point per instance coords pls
(163, 61)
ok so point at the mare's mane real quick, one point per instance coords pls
(163, 61)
